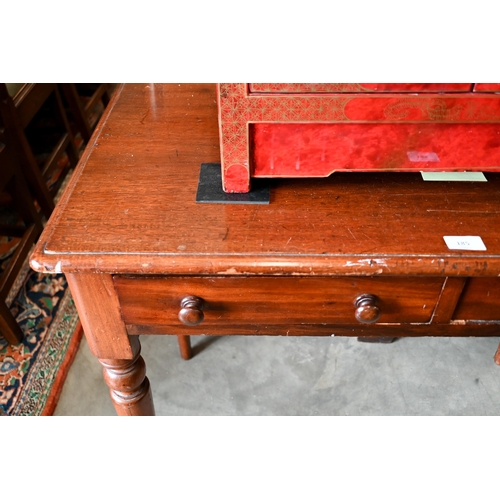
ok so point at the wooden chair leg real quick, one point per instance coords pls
(185, 346)
(62, 120)
(497, 356)
(106, 95)
(77, 111)
(9, 327)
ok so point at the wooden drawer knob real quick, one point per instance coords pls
(191, 312)
(367, 310)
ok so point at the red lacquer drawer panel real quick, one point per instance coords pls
(487, 87)
(307, 88)
(318, 149)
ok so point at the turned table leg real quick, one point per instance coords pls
(128, 384)
(185, 346)
(119, 353)
(497, 356)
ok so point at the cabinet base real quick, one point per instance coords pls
(210, 189)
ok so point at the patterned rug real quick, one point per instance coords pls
(32, 373)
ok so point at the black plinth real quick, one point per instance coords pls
(210, 188)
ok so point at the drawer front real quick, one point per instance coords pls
(319, 149)
(313, 88)
(278, 300)
(480, 300)
(487, 87)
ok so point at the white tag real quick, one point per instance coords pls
(454, 176)
(464, 242)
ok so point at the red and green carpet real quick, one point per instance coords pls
(32, 373)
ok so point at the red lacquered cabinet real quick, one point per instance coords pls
(316, 129)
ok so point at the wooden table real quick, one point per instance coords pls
(356, 254)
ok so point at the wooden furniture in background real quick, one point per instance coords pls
(357, 254)
(23, 224)
(38, 122)
(82, 99)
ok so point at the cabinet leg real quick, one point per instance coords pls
(128, 384)
(185, 346)
(497, 356)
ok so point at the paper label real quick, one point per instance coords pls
(422, 156)
(454, 176)
(464, 242)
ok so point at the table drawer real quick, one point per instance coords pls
(480, 300)
(278, 300)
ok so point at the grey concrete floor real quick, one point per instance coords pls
(303, 376)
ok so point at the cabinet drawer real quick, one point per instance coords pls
(480, 300)
(319, 149)
(313, 88)
(278, 300)
(487, 87)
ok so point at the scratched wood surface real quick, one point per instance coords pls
(130, 207)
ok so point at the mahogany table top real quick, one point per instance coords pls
(130, 207)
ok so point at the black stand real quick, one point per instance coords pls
(210, 188)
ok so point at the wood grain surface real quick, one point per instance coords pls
(131, 208)
(281, 300)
